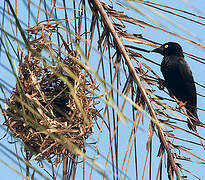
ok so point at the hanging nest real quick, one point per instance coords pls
(51, 109)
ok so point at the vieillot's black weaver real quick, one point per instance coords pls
(179, 79)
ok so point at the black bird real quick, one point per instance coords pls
(179, 79)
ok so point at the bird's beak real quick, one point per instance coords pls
(158, 50)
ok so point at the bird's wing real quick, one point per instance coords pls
(184, 69)
(188, 80)
(178, 76)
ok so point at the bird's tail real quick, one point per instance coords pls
(193, 119)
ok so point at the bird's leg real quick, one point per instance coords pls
(180, 103)
(162, 84)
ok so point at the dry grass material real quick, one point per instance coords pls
(51, 109)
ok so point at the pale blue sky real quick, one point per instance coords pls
(124, 129)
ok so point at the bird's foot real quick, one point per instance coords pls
(180, 104)
(162, 84)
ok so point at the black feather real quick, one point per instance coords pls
(179, 79)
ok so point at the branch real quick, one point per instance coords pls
(121, 48)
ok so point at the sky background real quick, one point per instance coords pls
(8, 160)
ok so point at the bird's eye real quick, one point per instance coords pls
(166, 46)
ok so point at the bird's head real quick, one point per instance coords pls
(170, 48)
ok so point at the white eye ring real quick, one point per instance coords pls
(166, 46)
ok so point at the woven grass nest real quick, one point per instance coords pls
(51, 109)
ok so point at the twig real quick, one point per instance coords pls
(121, 48)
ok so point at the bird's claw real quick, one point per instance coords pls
(161, 84)
(180, 104)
